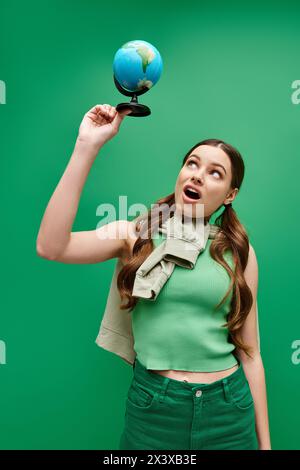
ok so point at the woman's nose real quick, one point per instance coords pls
(196, 179)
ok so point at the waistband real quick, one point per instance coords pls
(159, 383)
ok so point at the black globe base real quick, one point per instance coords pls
(137, 110)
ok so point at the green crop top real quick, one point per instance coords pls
(180, 329)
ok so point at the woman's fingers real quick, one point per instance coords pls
(111, 110)
(108, 113)
(94, 109)
(99, 108)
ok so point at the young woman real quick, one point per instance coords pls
(208, 391)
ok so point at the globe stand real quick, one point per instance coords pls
(137, 109)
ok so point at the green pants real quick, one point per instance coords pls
(164, 414)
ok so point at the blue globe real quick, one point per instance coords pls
(137, 64)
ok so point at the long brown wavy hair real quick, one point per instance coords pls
(231, 235)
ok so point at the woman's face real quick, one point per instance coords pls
(208, 170)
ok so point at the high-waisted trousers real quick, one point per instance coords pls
(164, 414)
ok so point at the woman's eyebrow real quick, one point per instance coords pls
(213, 163)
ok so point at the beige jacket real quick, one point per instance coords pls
(115, 333)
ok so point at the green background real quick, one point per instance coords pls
(228, 71)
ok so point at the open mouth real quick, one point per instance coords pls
(191, 193)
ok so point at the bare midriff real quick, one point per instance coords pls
(196, 377)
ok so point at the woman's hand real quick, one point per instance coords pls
(100, 124)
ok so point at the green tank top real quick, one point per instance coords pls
(180, 329)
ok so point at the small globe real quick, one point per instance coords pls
(137, 64)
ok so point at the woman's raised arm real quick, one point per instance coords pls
(55, 241)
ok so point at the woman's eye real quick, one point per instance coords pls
(213, 171)
(216, 171)
(192, 161)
